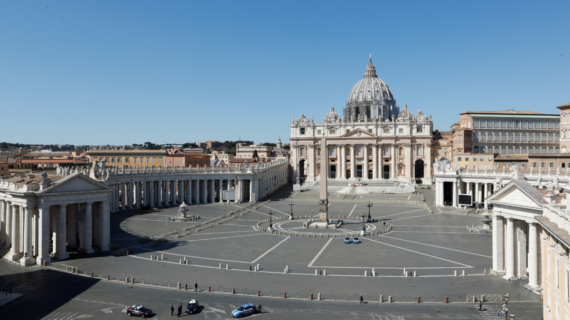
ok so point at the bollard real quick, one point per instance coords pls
(227, 267)
(316, 272)
(127, 279)
(284, 295)
(373, 272)
(249, 268)
(285, 270)
(258, 293)
(91, 274)
(233, 291)
(381, 298)
(311, 297)
(151, 258)
(324, 272)
(365, 273)
(108, 277)
(455, 273)
(390, 299)
(418, 299)
(220, 265)
(180, 261)
(258, 267)
(319, 296)
(405, 272)
(463, 273)
(179, 286)
(208, 288)
(133, 280)
(162, 256)
(186, 262)
(446, 300)
(415, 274)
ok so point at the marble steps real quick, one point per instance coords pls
(4, 253)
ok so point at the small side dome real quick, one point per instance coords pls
(405, 114)
(332, 116)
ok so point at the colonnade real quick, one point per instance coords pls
(454, 187)
(39, 233)
(511, 238)
(129, 194)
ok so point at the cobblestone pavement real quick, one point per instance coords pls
(67, 296)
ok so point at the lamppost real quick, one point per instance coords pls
(270, 213)
(506, 307)
(291, 204)
(363, 216)
(369, 205)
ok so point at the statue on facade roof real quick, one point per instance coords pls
(550, 187)
(44, 178)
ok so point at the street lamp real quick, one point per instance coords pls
(506, 307)
(291, 204)
(369, 205)
(363, 216)
(270, 213)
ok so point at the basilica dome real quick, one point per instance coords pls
(370, 88)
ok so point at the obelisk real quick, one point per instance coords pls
(324, 197)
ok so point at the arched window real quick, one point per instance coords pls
(420, 151)
(550, 137)
(483, 149)
(510, 135)
(476, 149)
(504, 137)
(523, 137)
(517, 150)
(302, 152)
(517, 137)
(503, 150)
(544, 150)
(550, 150)
(401, 152)
(510, 150)
(369, 151)
(557, 150)
(386, 151)
(333, 151)
(484, 136)
(524, 150)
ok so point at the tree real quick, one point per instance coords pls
(255, 155)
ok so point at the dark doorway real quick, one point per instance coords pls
(419, 169)
(358, 171)
(370, 174)
(386, 172)
(448, 193)
(348, 174)
(302, 168)
(332, 172)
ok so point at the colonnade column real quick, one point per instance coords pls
(394, 162)
(8, 224)
(62, 234)
(88, 228)
(189, 191)
(205, 196)
(342, 161)
(137, 189)
(3, 233)
(15, 234)
(365, 163)
(151, 192)
(498, 245)
(510, 256)
(145, 193)
(455, 186)
(409, 157)
(220, 189)
(28, 256)
(43, 236)
(123, 196)
(198, 199)
(477, 192)
(181, 193)
(532, 255)
(352, 161)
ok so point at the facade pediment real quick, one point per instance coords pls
(513, 195)
(76, 183)
(359, 134)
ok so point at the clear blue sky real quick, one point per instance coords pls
(123, 72)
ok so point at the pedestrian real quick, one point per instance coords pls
(259, 308)
(480, 305)
(196, 286)
(180, 309)
(172, 310)
(361, 299)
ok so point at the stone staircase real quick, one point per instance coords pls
(4, 253)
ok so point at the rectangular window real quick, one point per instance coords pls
(126, 159)
(419, 129)
(467, 167)
(318, 132)
(466, 158)
(153, 160)
(159, 160)
(386, 130)
(458, 158)
(400, 130)
(302, 131)
(556, 271)
(333, 151)
(543, 165)
(475, 159)
(552, 165)
(147, 159)
(141, 159)
(497, 165)
(523, 165)
(112, 159)
(119, 160)
(134, 159)
(534, 164)
(178, 162)
(332, 131)
(370, 130)
(386, 151)
(490, 158)
(506, 164)
(359, 151)
(481, 159)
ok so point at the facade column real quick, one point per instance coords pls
(137, 189)
(352, 162)
(477, 192)
(205, 193)
(72, 226)
(151, 194)
(408, 160)
(510, 249)
(312, 150)
(62, 233)
(213, 191)
(130, 195)
(145, 194)
(394, 166)
(498, 245)
(43, 236)
(105, 226)
(123, 196)
(181, 192)
(365, 163)
(189, 191)
(27, 258)
(239, 191)
(198, 199)
(342, 161)
(8, 224)
(532, 255)
(375, 162)
(220, 189)
(88, 228)
(15, 234)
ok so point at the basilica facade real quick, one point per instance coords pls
(373, 140)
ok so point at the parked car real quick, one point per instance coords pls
(138, 310)
(347, 240)
(244, 310)
(193, 306)
(355, 240)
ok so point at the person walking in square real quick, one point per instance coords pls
(480, 305)
(361, 299)
(172, 310)
(196, 286)
(180, 309)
